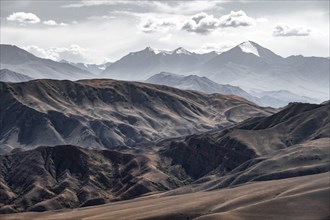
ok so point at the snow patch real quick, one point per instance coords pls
(181, 50)
(248, 47)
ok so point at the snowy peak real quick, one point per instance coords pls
(249, 47)
(181, 50)
(149, 49)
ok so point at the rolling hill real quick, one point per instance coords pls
(108, 113)
(234, 172)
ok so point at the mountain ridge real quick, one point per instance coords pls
(108, 113)
(257, 151)
(19, 60)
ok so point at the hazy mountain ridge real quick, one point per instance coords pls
(255, 68)
(10, 76)
(19, 60)
(96, 69)
(193, 82)
(275, 99)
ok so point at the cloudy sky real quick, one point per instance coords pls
(97, 31)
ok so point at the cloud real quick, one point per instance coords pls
(30, 18)
(217, 47)
(24, 18)
(287, 31)
(236, 19)
(170, 7)
(201, 23)
(152, 24)
(73, 53)
(168, 37)
(261, 20)
(204, 23)
(53, 23)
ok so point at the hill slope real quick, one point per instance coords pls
(275, 151)
(107, 113)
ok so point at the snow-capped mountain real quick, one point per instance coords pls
(96, 69)
(21, 61)
(252, 66)
(10, 76)
(143, 64)
(193, 82)
(247, 65)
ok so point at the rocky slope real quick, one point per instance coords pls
(279, 148)
(285, 142)
(108, 113)
(66, 176)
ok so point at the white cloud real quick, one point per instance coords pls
(287, 31)
(261, 20)
(217, 47)
(201, 23)
(170, 7)
(73, 53)
(53, 23)
(204, 23)
(236, 19)
(168, 37)
(153, 24)
(24, 18)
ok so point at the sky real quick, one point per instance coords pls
(97, 31)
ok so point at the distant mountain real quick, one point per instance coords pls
(280, 98)
(252, 66)
(96, 69)
(247, 65)
(21, 61)
(145, 63)
(10, 76)
(106, 113)
(274, 99)
(193, 82)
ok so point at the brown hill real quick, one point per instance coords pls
(251, 156)
(108, 113)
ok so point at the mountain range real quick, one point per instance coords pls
(248, 66)
(264, 161)
(276, 99)
(193, 82)
(18, 60)
(95, 69)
